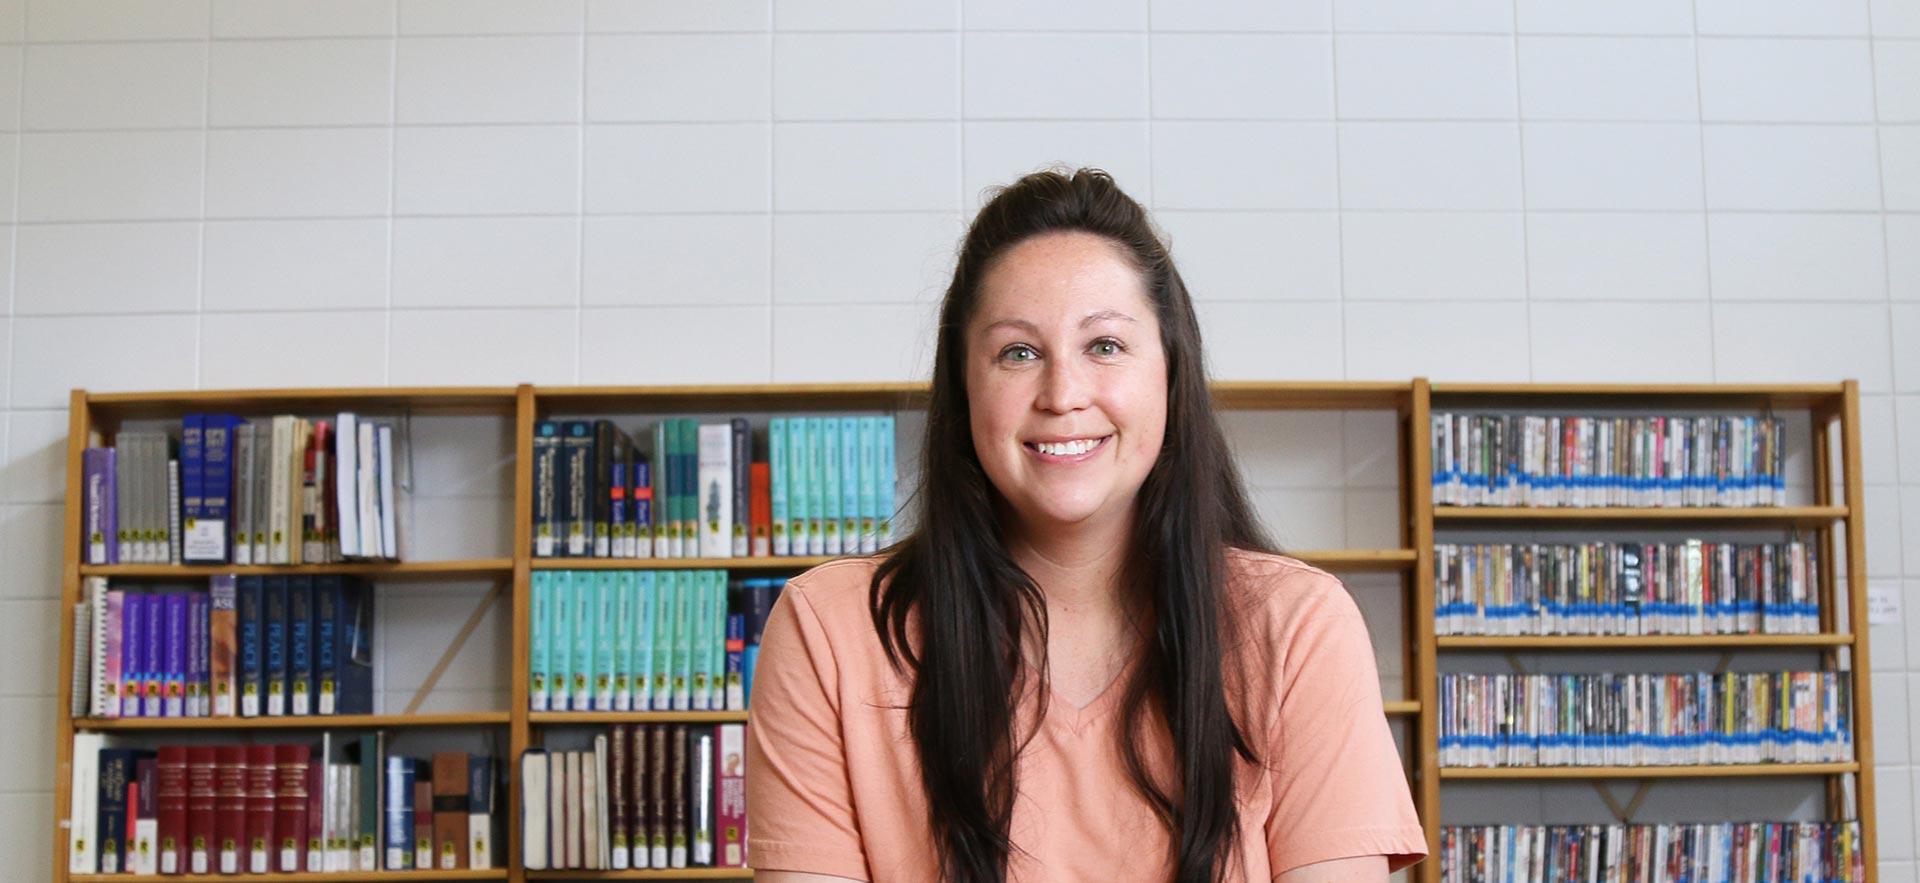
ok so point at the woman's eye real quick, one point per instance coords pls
(1107, 347)
(1017, 351)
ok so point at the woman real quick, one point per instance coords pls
(1085, 663)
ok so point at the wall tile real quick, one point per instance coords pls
(1622, 17)
(866, 77)
(879, 166)
(526, 170)
(1576, 342)
(1791, 168)
(679, 168)
(1256, 256)
(650, 79)
(36, 455)
(115, 85)
(479, 347)
(264, 173)
(1896, 80)
(61, 270)
(110, 176)
(1903, 256)
(26, 533)
(1425, 77)
(1294, 339)
(286, 349)
(1087, 76)
(148, 354)
(1433, 256)
(895, 342)
(1629, 167)
(677, 259)
(1793, 81)
(1608, 78)
(1616, 255)
(1244, 165)
(50, 20)
(1429, 166)
(1440, 341)
(1781, 18)
(1242, 76)
(670, 15)
(491, 17)
(295, 265)
(303, 18)
(1238, 15)
(715, 344)
(1081, 15)
(864, 258)
(485, 262)
(1900, 167)
(998, 153)
(488, 79)
(300, 83)
(1796, 257)
(866, 15)
(1805, 342)
(1895, 18)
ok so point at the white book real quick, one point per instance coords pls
(389, 545)
(346, 446)
(83, 841)
(556, 809)
(533, 809)
(590, 810)
(602, 820)
(369, 514)
(144, 857)
(279, 549)
(101, 702)
(151, 484)
(574, 798)
(716, 490)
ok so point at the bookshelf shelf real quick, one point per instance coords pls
(305, 722)
(478, 568)
(1652, 772)
(278, 877)
(1791, 516)
(666, 874)
(1632, 642)
(636, 717)
(1401, 707)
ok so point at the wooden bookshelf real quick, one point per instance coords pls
(1833, 407)
(280, 877)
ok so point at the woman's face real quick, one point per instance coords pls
(1066, 380)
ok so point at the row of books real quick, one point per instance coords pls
(245, 646)
(1709, 852)
(256, 809)
(1695, 587)
(1656, 719)
(645, 796)
(807, 486)
(1565, 460)
(645, 640)
(279, 490)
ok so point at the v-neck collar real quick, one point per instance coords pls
(1078, 720)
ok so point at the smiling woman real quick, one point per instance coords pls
(1088, 662)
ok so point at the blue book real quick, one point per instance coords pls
(199, 663)
(585, 611)
(644, 606)
(216, 490)
(154, 699)
(867, 467)
(539, 639)
(623, 623)
(117, 769)
(300, 645)
(398, 811)
(192, 477)
(560, 640)
(175, 683)
(605, 606)
(717, 642)
(133, 653)
(828, 475)
(326, 642)
(777, 482)
(850, 485)
(273, 630)
(884, 480)
(354, 652)
(249, 594)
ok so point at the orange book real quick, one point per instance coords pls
(450, 810)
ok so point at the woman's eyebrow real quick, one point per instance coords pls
(1095, 316)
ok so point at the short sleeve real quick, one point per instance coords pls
(799, 798)
(1339, 789)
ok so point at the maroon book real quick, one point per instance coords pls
(617, 776)
(230, 808)
(170, 804)
(316, 815)
(203, 849)
(262, 773)
(290, 806)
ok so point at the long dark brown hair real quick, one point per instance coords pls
(975, 604)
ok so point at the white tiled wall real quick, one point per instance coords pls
(224, 193)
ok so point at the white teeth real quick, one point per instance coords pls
(1067, 449)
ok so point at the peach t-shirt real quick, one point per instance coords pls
(833, 783)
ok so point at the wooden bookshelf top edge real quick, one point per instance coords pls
(304, 722)
(636, 717)
(298, 877)
(1402, 706)
(1779, 395)
(1652, 772)
(454, 399)
(1765, 514)
(1644, 642)
(383, 569)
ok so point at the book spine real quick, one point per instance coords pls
(677, 831)
(216, 490)
(243, 460)
(450, 810)
(325, 614)
(346, 488)
(701, 767)
(192, 475)
(222, 642)
(585, 609)
(716, 490)
(153, 669)
(730, 800)
(366, 801)
(422, 814)
(120, 476)
(173, 684)
(682, 640)
(660, 797)
(829, 476)
(202, 820)
(199, 649)
(687, 486)
(480, 813)
(170, 805)
(273, 628)
(867, 467)
(815, 453)
(315, 854)
(290, 815)
(173, 528)
(389, 518)
(619, 528)
(354, 652)
(577, 507)
(698, 635)
(367, 493)
(715, 643)
(108, 615)
(622, 625)
(736, 650)
(777, 485)
(760, 509)
(883, 489)
(660, 635)
(847, 438)
(539, 639)
(742, 466)
(262, 480)
(231, 808)
(604, 606)
(663, 512)
(279, 491)
(641, 494)
(642, 629)
(143, 826)
(618, 773)
(397, 832)
(133, 654)
(546, 464)
(262, 797)
(601, 523)
(300, 645)
(116, 770)
(94, 481)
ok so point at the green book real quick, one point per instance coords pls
(682, 640)
(539, 645)
(623, 623)
(603, 620)
(799, 519)
(689, 487)
(560, 639)
(583, 629)
(699, 661)
(643, 593)
(662, 637)
(816, 487)
(777, 482)
(661, 473)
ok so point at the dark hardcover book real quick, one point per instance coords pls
(688, 485)
(678, 740)
(480, 812)
(230, 808)
(273, 629)
(642, 506)
(175, 682)
(639, 808)
(142, 816)
(619, 771)
(116, 770)
(576, 452)
(170, 807)
(290, 806)
(546, 489)
(353, 650)
(316, 845)
(736, 659)
(325, 617)
(202, 828)
(216, 490)
(192, 472)
(365, 752)
(263, 779)
(760, 510)
(601, 524)
(249, 596)
(422, 814)
(742, 485)
(300, 644)
(199, 646)
(450, 785)
(398, 819)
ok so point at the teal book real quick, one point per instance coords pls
(869, 428)
(560, 640)
(688, 484)
(539, 645)
(623, 622)
(682, 640)
(850, 486)
(717, 645)
(663, 639)
(662, 498)
(798, 515)
(699, 661)
(816, 487)
(643, 593)
(603, 606)
(830, 482)
(777, 483)
(883, 490)
(583, 635)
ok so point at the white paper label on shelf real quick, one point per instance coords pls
(1883, 603)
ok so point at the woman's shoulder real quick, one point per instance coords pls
(1284, 594)
(837, 592)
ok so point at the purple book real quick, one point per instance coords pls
(199, 691)
(102, 547)
(176, 655)
(155, 666)
(133, 654)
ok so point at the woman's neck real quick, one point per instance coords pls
(1079, 568)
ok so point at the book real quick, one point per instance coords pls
(701, 767)
(539, 638)
(741, 465)
(398, 813)
(534, 807)
(450, 792)
(480, 812)
(546, 484)
(290, 806)
(170, 804)
(777, 476)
